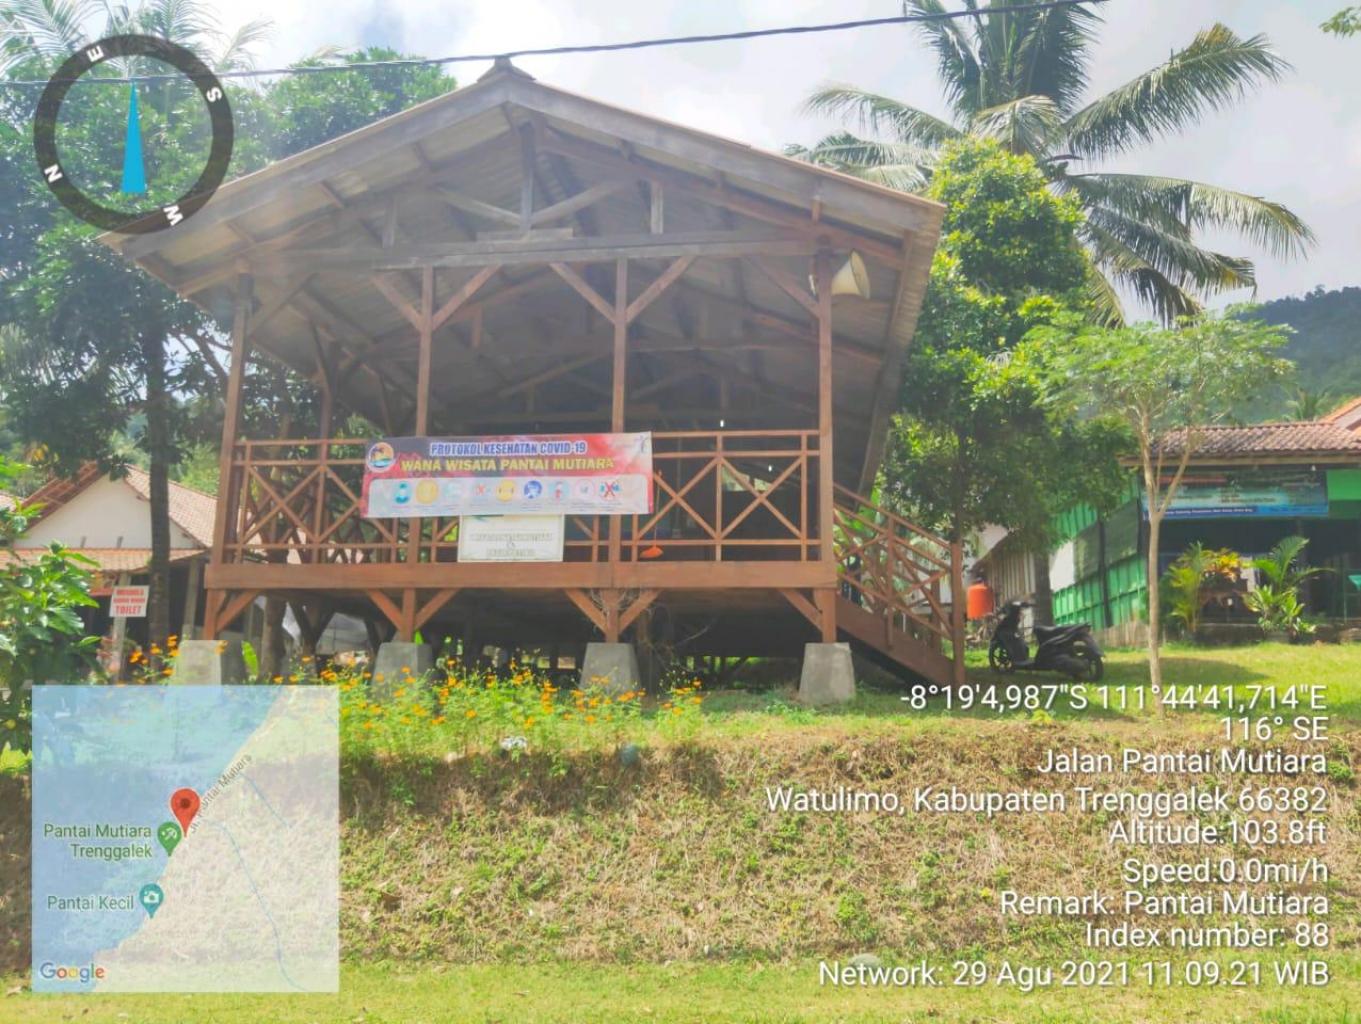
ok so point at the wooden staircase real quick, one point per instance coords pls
(892, 577)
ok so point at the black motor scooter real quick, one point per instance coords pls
(1069, 649)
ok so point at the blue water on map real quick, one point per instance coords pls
(114, 754)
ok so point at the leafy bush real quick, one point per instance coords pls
(41, 634)
(1276, 602)
(1188, 580)
(456, 709)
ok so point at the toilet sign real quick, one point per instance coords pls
(128, 602)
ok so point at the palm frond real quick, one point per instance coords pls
(1026, 125)
(957, 59)
(1216, 70)
(48, 29)
(892, 164)
(1178, 258)
(1197, 205)
(881, 115)
(1163, 271)
(181, 21)
(236, 52)
(1053, 54)
(1103, 299)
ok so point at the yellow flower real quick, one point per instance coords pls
(378, 678)
(278, 679)
(437, 720)
(400, 691)
(470, 713)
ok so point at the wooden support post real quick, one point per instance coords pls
(612, 626)
(231, 423)
(657, 220)
(426, 333)
(416, 527)
(619, 383)
(957, 610)
(324, 416)
(826, 602)
(406, 627)
(527, 162)
(823, 274)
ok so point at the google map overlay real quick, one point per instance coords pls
(185, 839)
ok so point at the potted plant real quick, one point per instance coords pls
(1276, 601)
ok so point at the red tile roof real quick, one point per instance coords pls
(191, 510)
(109, 560)
(1298, 438)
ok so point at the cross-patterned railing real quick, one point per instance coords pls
(718, 496)
(896, 570)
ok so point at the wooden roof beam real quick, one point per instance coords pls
(721, 194)
(538, 250)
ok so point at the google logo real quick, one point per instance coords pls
(83, 973)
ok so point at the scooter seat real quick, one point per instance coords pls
(1045, 632)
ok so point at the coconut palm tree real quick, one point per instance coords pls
(54, 29)
(1021, 78)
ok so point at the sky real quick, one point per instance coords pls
(1297, 142)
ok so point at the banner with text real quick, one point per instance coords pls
(584, 474)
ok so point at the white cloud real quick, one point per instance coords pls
(1298, 142)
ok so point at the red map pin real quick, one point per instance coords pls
(184, 805)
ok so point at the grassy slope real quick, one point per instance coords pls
(479, 878)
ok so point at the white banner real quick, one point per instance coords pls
(510, 538)
(129, 602)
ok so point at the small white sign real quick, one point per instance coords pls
(510, 538)
(129, 602)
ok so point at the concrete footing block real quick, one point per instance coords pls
(828, 675)
(209, 663)
(399, 663)
(612, 667)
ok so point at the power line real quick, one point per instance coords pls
(637, 44)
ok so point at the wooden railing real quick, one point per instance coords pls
(718, 496)
(898, 571)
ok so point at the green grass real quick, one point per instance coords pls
(1278, 666)
(670, 994)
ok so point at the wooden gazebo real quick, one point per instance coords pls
(511, 258)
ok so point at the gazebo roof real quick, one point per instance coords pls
(336, 239)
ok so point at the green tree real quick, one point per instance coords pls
(95, 350)
(1307, 404)
(1166, 386)
(1021, 78)
(973, 442)
(101, 341)
(1346, 22)
(307, 110)
(40, 627)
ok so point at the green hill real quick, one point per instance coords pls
(1326, 346)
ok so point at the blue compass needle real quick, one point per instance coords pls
(134, 168)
